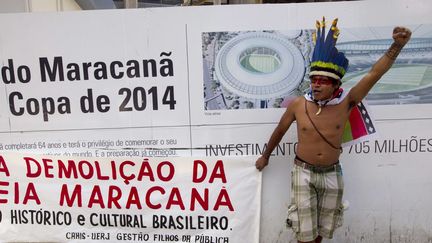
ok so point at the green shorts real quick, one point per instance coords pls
(316, 202)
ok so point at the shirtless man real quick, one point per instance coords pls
(317, 185)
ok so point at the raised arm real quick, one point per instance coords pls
(285, 122)
(401, 36)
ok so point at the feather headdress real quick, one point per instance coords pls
(326, 59)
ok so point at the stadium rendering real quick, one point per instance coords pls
(410, 79)
(259, 65)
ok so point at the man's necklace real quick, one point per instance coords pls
(319, 110)
(322, 103)
(320, 106)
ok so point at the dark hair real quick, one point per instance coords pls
(335, 81)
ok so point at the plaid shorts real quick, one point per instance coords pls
(316, 203)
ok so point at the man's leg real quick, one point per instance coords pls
(304, 198)
(330, 208)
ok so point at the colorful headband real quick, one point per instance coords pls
(326, 60)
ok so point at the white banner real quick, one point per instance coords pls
(214, 81)
(73, 199)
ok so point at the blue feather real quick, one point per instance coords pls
(325, 48)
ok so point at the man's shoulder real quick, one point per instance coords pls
(295, 104)
(347, 99)
(298, 100)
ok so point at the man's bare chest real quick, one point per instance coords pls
(330, 119)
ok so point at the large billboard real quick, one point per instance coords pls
(213, 82)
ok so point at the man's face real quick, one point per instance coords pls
(323, 87)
